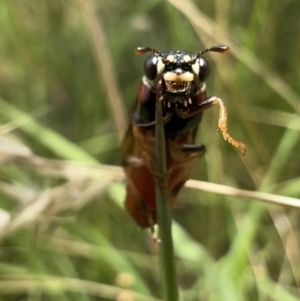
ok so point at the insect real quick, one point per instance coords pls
(181, 76)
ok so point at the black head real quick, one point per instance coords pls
(179, 69)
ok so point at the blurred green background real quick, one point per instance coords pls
(68, 83)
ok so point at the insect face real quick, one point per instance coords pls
(180, 70)
(178, 74)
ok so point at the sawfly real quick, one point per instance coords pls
(181, 76)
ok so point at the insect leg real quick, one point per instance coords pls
(194, 148)
(154, 236)
(148, 125)
(151, 124)
(222, 124)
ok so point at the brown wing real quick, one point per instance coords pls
(140, 199)
(127, 144)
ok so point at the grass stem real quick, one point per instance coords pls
(167, 264)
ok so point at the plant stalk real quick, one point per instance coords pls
(166, 250)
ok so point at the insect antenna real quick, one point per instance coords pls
(141, 50)
(217, 48)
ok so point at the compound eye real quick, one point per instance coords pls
(153, 66)
(204, 70)
(201, 68)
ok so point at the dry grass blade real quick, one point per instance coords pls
(24, 195)
(84, 183)
(32, 284)
(64, 244)
(104, 63)
(278, 118)
(70, 170)
(11, 147)
(242, 193)
(77, 171)
(51, 203)
(204, 24)
(289, 240)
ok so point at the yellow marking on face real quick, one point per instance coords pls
(184, 77)
(170, 58)
(187, 58)
(196, 67)
(160, 66)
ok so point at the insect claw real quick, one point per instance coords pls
(242, 148)
(218, 130)
(154, 236)
(194, 148)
